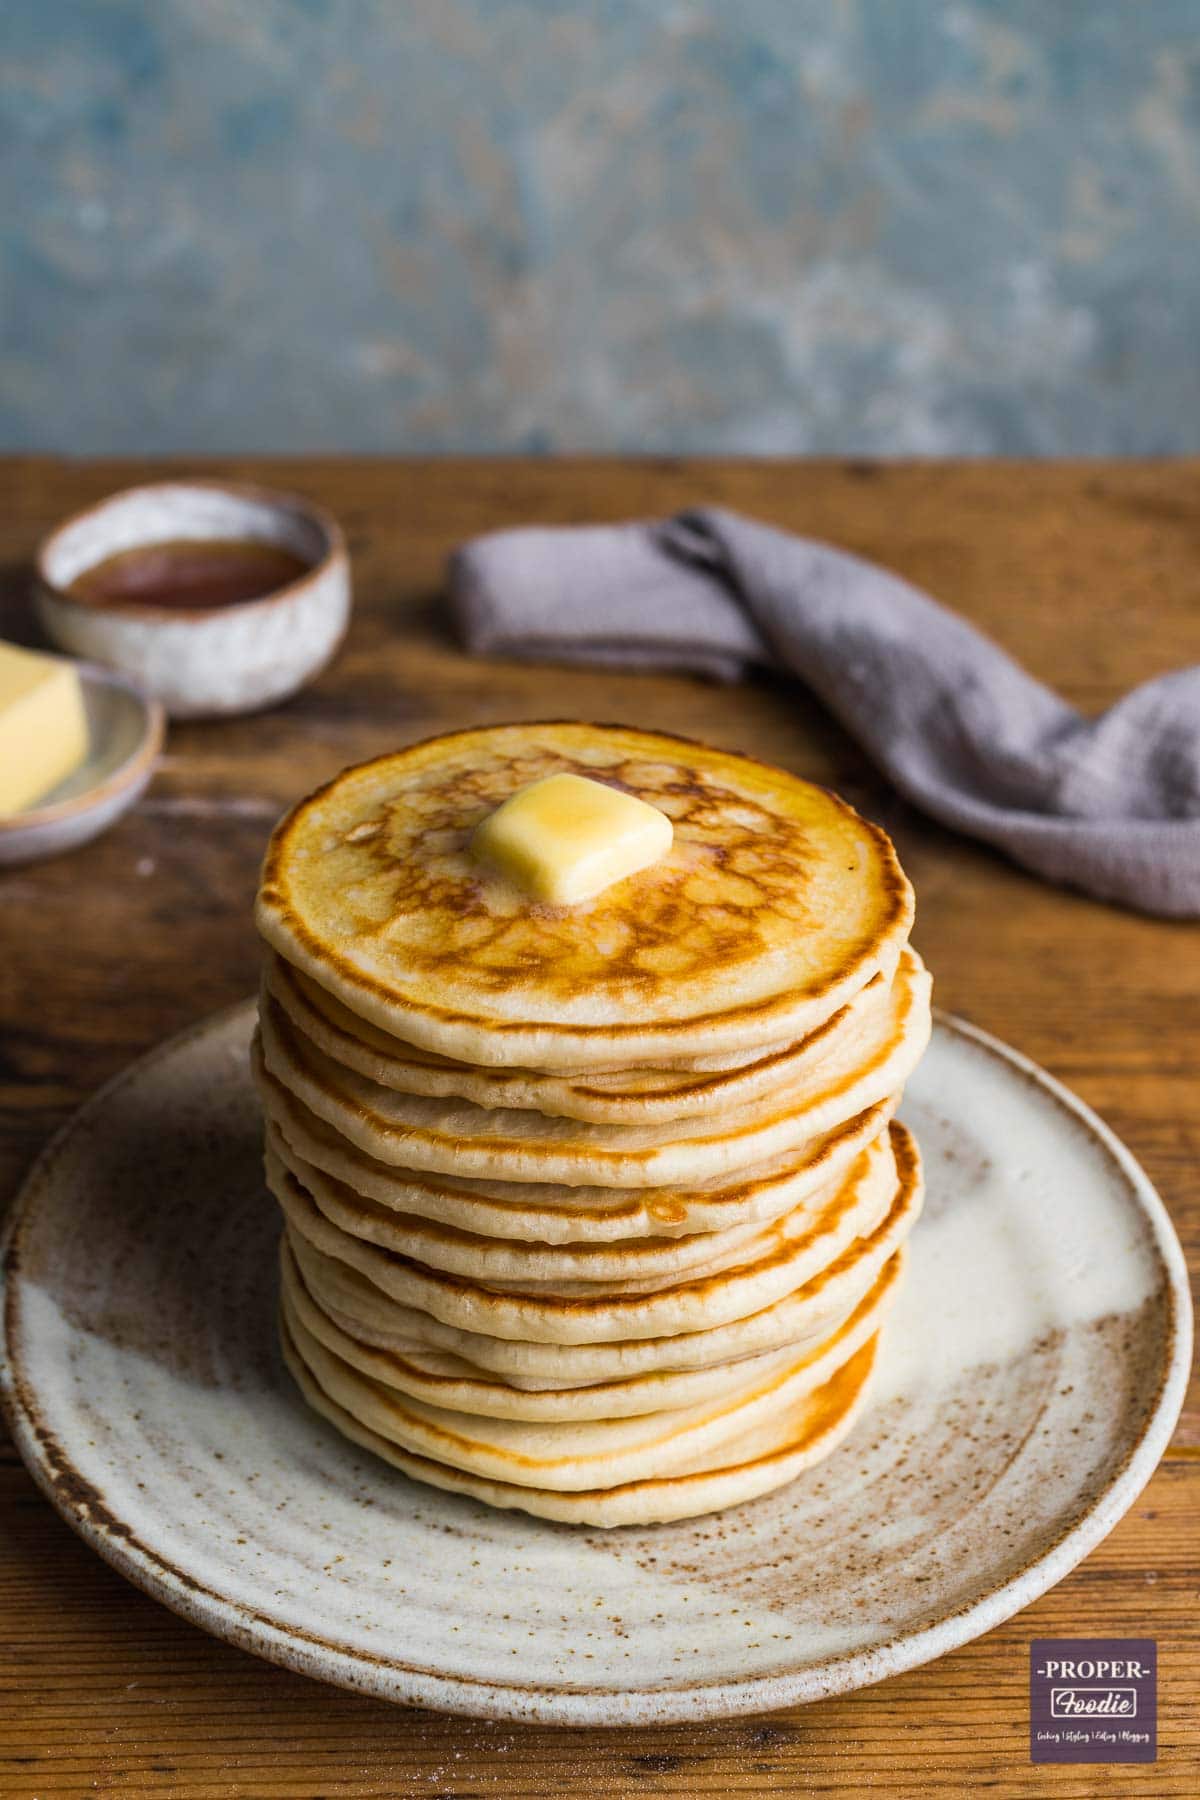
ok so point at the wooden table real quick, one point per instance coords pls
(1091, 575)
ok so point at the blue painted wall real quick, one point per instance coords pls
(885, 227)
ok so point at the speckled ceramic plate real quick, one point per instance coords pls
(1031, 1376)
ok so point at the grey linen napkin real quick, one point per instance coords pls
(1110, 805)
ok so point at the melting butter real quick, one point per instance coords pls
(565, 839)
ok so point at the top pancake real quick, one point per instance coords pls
(775, 904)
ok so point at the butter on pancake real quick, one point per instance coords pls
(566, 838)
(774, 905)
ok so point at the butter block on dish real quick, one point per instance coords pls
(43, 726)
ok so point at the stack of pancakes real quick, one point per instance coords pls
(597, 1210)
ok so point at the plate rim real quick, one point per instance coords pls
(386, 1678)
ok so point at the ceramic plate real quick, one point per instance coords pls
(1031, 1376)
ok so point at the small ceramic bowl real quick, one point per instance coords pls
(125, 730)
(202, 662)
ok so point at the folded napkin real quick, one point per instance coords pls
(1111, 805)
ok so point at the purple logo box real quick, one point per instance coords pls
(1093, 1700)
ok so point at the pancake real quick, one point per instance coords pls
(310, 998)
(775, 905)
(642, 1262)
(801, 1321)
(780, 1260)
(572, 1454)
(766, 1459)
(553, 1213)
(620, 1097)
(631, 1266)
(689, 1325)
(443, 1379)
(517, 1145)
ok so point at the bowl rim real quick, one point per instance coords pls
(136, 765)
(282, 500)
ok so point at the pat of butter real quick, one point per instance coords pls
(566, 839)
(43, 727)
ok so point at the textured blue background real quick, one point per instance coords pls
(889, 227)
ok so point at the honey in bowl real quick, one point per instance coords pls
(189, 574)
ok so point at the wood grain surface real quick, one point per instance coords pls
(1091, 575)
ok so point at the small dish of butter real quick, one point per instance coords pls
(77, 746)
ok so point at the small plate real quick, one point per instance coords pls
(1030, 1380)
(126, 734)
